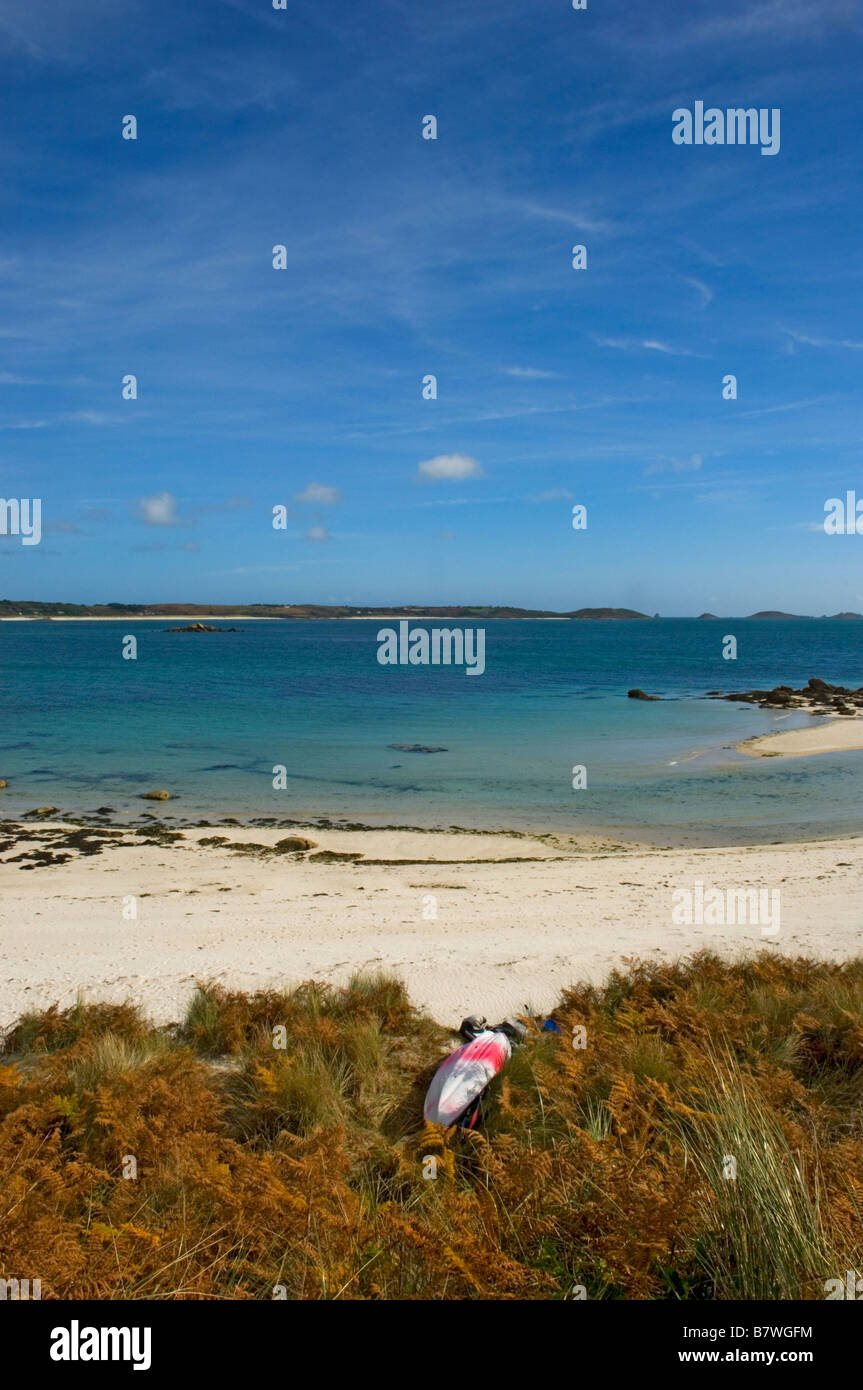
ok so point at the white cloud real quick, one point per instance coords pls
(450, 467)
(158, 510)
(530, 373)
(319, 493)
(317, 533)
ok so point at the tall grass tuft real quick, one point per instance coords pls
(764, 1237)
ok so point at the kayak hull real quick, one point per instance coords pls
(464, 1075)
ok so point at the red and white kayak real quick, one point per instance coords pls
(464, 1075)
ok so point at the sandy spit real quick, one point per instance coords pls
(842, 735)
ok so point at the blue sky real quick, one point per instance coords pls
(302, 387)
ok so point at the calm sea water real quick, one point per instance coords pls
(209, 716)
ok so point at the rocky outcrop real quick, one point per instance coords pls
(640, 695)
(201, 627)
(817, 695)
(156, 796)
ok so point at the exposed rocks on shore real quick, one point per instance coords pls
(161, 795)
(817, 696)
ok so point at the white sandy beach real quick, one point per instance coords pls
(505, 933)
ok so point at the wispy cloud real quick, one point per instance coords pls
(644, 345)
(704, 292)
(804, 338)
(784, 407)
(93, 417)
(531, 373)
(675, 465)
(580, 219)
(553, 494)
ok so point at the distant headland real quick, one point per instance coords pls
(12, 609)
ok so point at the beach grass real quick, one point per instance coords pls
(705, 1142)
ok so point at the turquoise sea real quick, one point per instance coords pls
(209, 716)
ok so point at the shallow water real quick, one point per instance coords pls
(208, 716)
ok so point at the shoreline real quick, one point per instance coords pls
(576, 839)
(470, 921)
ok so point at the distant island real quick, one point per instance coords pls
(10, 608)
(774, 613)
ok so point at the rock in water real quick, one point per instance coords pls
(640, 695)
(200, 627)
(156, 796)
(417, 748)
